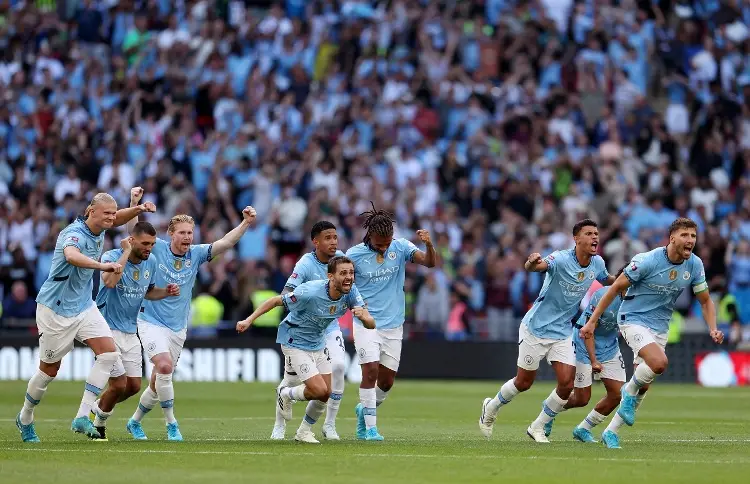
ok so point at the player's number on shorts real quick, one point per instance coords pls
(340, 341)
(328, 356)
(622, 363)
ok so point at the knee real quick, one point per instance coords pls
(163, 367)
(523, 383)
(108, 358)
(319, 391)
(49, 369)
(659, 365)
(385, 382)
(565, 388)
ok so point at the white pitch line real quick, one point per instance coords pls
(370, 455)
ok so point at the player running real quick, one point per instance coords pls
(313, 306)
(162, 325)
(66, 312)
(653, 280)
(545, 331)
(119, 300)
(380, 267)
(600, 354)
(313, 266)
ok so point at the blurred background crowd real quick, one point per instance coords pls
(495, 124)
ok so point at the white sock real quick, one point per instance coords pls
(313, 412)
(368, 399)
(638, 400)
(148, 400)
(507, 392)
(100, 416)
(97, 379)
(165, 392)
(287, 381)
(34, 393)
(380, 396)
(553, 405)
(643, 376)
(297, 393)
(593, 419)
(332, 408)
(615, 424)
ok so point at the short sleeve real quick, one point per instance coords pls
(295, 299)
(408, 249)
(603, 274)
(553, 260)
(110, 256)
(355, 298)
(638, 268)
(202, 252)
(699, 277)
(297, 277)
(73, 239)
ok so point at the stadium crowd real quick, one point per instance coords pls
(495, 124)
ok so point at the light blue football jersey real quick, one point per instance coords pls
(120, 305)
(656, 283)
(606, 333)
(566, 282)
(381, 283)
(311, 311)
(310, 268)
(68, 290)
(174, 312)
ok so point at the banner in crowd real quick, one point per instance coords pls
(723, 369)
(254, 359)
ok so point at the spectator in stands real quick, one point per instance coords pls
(18, 304)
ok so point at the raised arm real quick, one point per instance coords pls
(233, 236)
(111, 279)
(429, 257)
(267, 305)
(535, 263)
(125, 215)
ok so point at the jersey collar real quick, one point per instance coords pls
(666, 256)
(575, 256)
(82, 222)
(315, 256)
(328, 293)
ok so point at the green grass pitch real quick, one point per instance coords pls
(684, 433)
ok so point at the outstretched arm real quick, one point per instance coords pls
(620, 285)
(267, 305)
(233, 236)
(73, 256)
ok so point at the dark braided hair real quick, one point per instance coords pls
(378, 222)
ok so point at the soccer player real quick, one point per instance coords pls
(66, 311)
(653, 280)
(311, 267)
(313, 306)
(162, 325)
(380, 267)
(600, 354)
(546, 330)
(119, 300)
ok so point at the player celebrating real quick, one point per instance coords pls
(313, 306)
(546, 328)
(379, 264)
(653, 280)
(119, 300)
(311, 267)
(162, 326)
(600, 354)
(66, 312)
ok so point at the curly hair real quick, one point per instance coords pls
(378, 222)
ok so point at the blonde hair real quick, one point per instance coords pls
(99, 199)
(179, 219)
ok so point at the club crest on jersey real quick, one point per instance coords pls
(136, 275)
(581, 276)
(686, 275)
(672, 275)
(146, 274)
(178, 264)
(332, 310)
(591, 276)
(188, 263)
(392, 255)
(380, 258)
